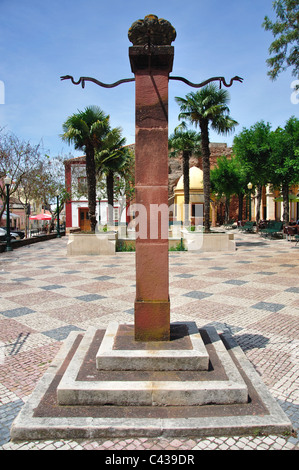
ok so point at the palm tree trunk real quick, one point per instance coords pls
(205, 150)
(186, 186)
(110, 196)
(91, 186)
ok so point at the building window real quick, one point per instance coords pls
(82, 185)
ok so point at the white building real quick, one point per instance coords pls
(76, 208)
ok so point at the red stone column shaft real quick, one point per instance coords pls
(152, 306)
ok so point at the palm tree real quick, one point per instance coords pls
(111, 159)
(205, 107)
(186, 142)
(86, 130)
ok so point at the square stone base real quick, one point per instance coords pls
(73, 372)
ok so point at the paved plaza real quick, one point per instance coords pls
(252, 292)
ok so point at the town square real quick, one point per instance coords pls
(149, 278)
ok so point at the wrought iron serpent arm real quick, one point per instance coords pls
(82, 80)
(209, 80)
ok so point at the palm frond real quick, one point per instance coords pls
(224, 124)
(209, 104)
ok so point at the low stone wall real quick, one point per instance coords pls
(91, 244)
(214, 241)
(29, 241)
(106, 243)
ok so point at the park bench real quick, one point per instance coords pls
(247, 227)
(273, 228)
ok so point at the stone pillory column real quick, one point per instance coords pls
(151, 58)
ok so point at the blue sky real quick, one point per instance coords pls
(41, 41)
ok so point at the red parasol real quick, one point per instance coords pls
(41, 217)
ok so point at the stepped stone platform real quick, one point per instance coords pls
(76, 398)
(170, 383)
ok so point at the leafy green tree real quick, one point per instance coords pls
(20, 160)
(185, 142)
(207, 107)
(228, 179)
(252, 147)
(285, 160)
(285, 30)
(41, 184)
(35, 176)
(86, 130)
(241, 185)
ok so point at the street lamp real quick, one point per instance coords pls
(7, 182)
(249, 186)
(58, 228)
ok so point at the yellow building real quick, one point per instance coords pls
(271, 204)
(196, 201)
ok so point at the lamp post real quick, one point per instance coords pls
(249, 186)
(58, 227)
(7, 182)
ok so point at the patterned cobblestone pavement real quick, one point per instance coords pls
(252, 292)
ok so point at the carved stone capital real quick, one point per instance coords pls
(152, 31)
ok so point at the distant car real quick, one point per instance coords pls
(13, 235)
(16, 232)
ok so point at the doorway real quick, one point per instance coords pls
(84, 220)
